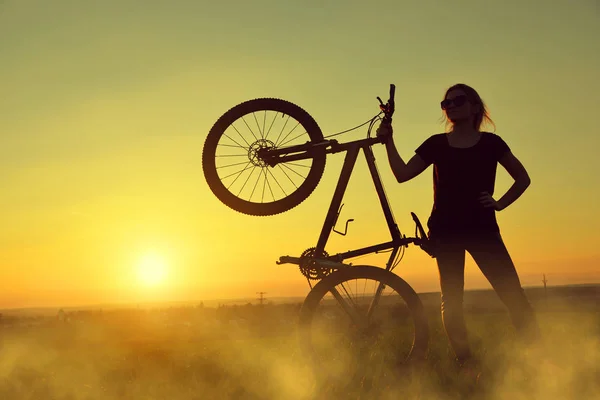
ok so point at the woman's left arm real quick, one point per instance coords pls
(518, 172)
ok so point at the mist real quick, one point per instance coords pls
(249, 351)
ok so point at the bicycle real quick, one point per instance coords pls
(279, 155)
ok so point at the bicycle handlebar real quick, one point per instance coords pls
(391, 101)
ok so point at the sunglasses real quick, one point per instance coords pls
(457, 101)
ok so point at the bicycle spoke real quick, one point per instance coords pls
(352, 300)
(297, 173)
(257, 125)
(271, 126)
(291, 140)
(256, 184)
(375, 299)
(239, 174)
(244, 188)
(277, 182)
(243, 138)
(250, 129)
(288, 134)
(282, 129)
(230, 145)
(344, 305)
(230, 138)
(255, 193)
(262, 199)
(232, 155)
(298, 165)
(285, 173)
(244, 185)
(268, 184)
(233, 165)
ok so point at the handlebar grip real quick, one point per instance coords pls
(392, 91)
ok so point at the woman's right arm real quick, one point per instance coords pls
(403, 171)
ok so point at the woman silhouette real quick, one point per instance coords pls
(464, 210)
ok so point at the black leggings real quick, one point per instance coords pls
(492, 258)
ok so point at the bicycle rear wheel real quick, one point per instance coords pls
(352, 335)
(244, 182)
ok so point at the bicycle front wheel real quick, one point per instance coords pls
(361, 322)
(240, 178)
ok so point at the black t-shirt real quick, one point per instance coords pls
(459, 177)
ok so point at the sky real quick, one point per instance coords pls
(105, 107)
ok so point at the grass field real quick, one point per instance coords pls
(251, 352)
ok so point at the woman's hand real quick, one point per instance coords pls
(488, 201)
(385, 131)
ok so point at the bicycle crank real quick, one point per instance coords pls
(310, 268)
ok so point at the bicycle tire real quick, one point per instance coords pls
(420, 343)
(278, 206)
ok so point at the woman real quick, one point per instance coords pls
(463, 216)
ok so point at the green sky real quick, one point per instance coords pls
(106, 104)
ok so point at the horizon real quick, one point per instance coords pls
(246, 300)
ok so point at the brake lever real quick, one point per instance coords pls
(385, 108)
(389, 107)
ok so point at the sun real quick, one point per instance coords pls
(152, 270)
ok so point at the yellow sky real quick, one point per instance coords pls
(105, 107)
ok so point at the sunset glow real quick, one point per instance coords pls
(104, 114)
(152, 270)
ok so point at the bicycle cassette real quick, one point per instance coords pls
(309, 267)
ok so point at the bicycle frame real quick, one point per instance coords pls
(398, 240)
(352, 149)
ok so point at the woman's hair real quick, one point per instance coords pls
(482, 116)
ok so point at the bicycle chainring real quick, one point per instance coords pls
(309, 267)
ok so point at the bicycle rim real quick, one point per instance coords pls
(240, 179)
